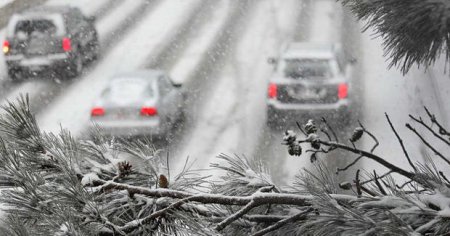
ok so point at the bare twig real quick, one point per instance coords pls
(401, 142)
(369, 155)
(420, 121)
(444, 177)
(283, 222)
(331, 129)
(357, 183)
(372, 136)
(427, 144)
(300, 128)
(350, 165)
(380, 177)
(404, 184)
(380, 187)
(433, 119)
(360, 156)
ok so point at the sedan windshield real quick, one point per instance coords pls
(128, 90)
(298, 68)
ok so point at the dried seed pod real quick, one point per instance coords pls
(310, 127)
(124, 168)
(315, 144)
(345, 185)
(357, 134)
(163, 182)
(289, 137)
(295, 150)
(313, 157)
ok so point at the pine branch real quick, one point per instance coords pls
(413, 31)
(283, 222)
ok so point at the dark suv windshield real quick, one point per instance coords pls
(297, 68)
(35, 27)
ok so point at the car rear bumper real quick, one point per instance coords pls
(37, 63)
(281, 112)
(129, 128)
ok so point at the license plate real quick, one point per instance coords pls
(34, 68)
(307, 93)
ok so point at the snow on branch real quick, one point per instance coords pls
(122, 187)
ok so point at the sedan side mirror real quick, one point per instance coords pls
(177, 85)
(272, 60)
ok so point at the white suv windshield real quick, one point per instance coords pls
(299, 68)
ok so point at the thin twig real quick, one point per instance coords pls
(433, 119)
(372, 136)
(326, 133)
(404, 184)
(129, 227)
(427, 144)
(301, 129)
(252, 204)
(364, 189)
(349, 165)
(168, 166)
(357, 183)
(360, 156)
(401, 142)
(380, 187)
(281, 223)
(444, 177)
(380, 177)
(331, 129)
(420, 121)
(369, 155)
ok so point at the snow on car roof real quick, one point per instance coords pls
(139, 74)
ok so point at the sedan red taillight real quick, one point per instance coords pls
(342, 91)
(6, 46)
(66, 44)
(98, 111)
(149, 111)
(272, 90)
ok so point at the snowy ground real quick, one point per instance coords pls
(222, 62)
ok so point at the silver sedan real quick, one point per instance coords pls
(141, 103)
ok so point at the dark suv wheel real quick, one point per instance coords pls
(75, 66)
(272, 119)
(93, 48)
(15, 74)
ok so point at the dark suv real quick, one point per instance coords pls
(310, 80)
(49, 37)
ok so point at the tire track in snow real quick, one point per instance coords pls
(201, 81)
(167, 55)
(223, 125)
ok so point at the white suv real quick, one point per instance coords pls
(310, 80)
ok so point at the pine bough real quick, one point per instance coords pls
(58, 185)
